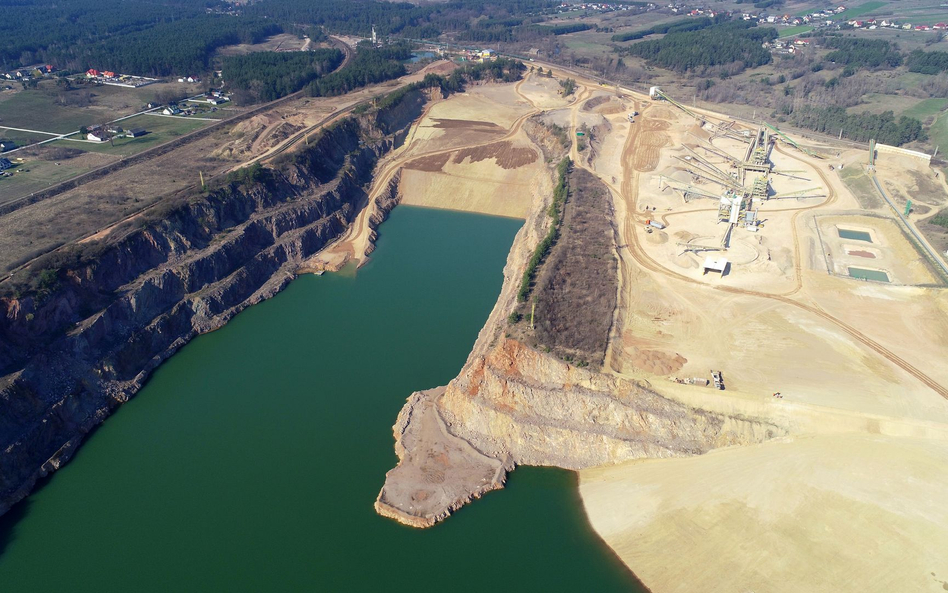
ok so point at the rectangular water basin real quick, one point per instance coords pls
(855, 235)
(863, 274)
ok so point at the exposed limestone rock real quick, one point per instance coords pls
(514, 405)
(519, 406)
(71, 355)
(448, 473)
(538, 410)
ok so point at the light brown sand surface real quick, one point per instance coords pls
(827, 513)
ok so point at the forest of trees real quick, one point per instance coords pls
(180, 36)
(863, 53)
(266, 76)
(131, 36)
(370, 65)
(681, 26)
(499, 70)
(732, 42)
(931, 62)
(163, 50)
(424, 21)
(860, 127)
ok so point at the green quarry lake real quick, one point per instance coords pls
(252, 458)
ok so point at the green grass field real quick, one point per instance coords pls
(938, 132)
(41, 109)
(22, 138)
(849, 13)
(860, 10)
(36, 176)
(160, 130)
(927, 108)
(219, 114)
(38, 110)
(790, 31)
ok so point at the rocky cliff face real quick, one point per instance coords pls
(515, 405)
(73, 351)
(537, 410)
(512, 404)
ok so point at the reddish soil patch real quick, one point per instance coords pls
(862, 254)
(451, 124)
(508, 156)
(431, 163)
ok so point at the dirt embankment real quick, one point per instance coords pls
(81, 330)
(576, 289)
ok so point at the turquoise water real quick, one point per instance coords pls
(855, 235)
(251, 460)
(863, 274)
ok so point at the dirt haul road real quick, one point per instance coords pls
(354, 245)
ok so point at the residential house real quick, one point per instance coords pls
(6, 145)
(92, 73)
(136, 132)
(5, 164)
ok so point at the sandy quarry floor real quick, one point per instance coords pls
(807, 514)
(851, 501)
(466, 153)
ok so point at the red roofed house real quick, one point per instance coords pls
(108, 74)
(92, 73)
(940, 26)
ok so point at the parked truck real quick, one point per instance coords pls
(655, 224)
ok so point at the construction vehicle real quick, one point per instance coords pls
(718, 379)
(655, 223)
